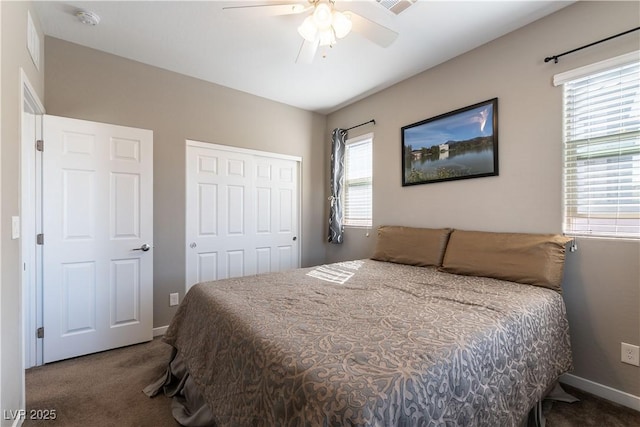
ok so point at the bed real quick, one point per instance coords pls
(399, 340)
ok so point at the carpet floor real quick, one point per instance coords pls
(105, 389)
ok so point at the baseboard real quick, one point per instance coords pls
(157, 332)
(603, 391)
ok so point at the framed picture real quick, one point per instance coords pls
(460, 144)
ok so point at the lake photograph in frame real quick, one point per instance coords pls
(460, 144)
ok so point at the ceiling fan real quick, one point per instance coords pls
(325, 24)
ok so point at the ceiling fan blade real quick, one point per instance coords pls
(307, 52)
(273, 9)
(379, 34)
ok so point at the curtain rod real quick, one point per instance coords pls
(362, 124)
(555, 57)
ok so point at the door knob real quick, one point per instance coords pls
(144, 248)
(295, 238)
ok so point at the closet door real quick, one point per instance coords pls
(242, 209)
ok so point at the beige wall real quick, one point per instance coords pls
(14, 56)
(91, 85)
(602, 278)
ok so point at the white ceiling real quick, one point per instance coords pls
(255, 53)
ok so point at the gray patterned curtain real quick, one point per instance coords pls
(338, 137)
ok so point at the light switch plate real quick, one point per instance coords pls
(174, 299)
(15, 227)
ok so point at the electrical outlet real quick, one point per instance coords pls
(630, 354)
(174, 299)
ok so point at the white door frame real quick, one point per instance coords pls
(21, 356)
(211, 146)
(30, 174)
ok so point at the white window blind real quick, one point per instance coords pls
(602, 153)
(358, 182)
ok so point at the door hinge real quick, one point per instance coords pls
(40, 239)
(40, 332)
(40, 145)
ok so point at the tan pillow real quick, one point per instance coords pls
(533, 259)
(413, 246)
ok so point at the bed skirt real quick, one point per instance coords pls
(188, 407)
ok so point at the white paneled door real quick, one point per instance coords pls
(98, 237)
(242, 212)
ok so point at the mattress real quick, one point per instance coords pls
(370, 343)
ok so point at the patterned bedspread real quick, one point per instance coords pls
(371, 343)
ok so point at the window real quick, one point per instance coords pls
(602, 148)
(358, 181)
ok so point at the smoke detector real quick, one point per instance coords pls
(88, 17)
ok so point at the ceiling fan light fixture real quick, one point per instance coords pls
(322, 16)
(327, 37)
(341, 24)
(324, 25)
(308, 29)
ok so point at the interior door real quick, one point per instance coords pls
(242, 212)
(98, 237)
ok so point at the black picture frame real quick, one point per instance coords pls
(452, 146)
